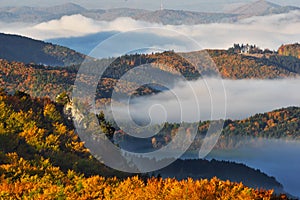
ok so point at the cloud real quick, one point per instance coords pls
(75, 25)
(242, 99)
(266, 31)
(248, 97)
(72, 26)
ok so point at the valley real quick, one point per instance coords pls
(149, 100)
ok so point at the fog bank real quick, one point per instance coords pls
(243, 98)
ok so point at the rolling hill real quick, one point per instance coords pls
(32, 66)
(40, 80)
(281, 124)
(261, 8)
(27, 50)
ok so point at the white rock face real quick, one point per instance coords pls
(73, 113)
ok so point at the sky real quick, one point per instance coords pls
(198, 5)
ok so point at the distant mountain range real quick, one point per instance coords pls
(165, 16)
(38, 14)
(179, 17)
(42, 14)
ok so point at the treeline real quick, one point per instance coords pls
(53, 184)
(278, 124)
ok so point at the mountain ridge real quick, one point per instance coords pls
(178, 17)
(27, 50)
(165, 16)
(261, 8)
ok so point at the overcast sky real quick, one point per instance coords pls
(196, 5)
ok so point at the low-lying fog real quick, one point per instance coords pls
(217, 99)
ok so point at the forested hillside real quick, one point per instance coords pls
(41, 157)
(40, 80)
(251, 66)
(35, 129)
(26, 50)
(290, 50)
(281, 123)
(278, 124)
(37, 80)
